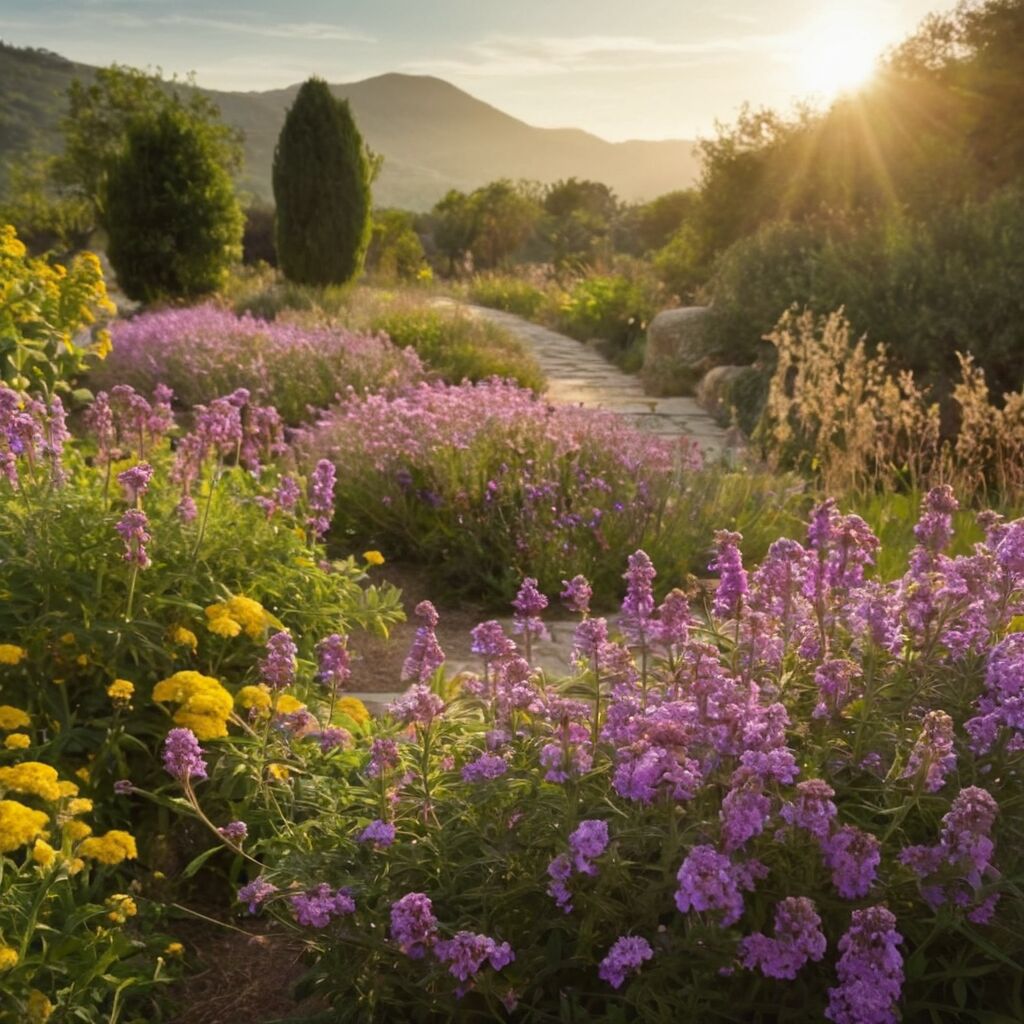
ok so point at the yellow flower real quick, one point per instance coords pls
(74, 865)
(253, 697)
(120, 691)
(11, 654)
(39, 1007)
(80, 805)
(81, 773)
(111, 848)
(68, 638)
(121, 908)
(204, 705)
(286, 704)
(355, 709)
(43, 853)
(278, 771)
(82, 660)
(183, 637)
(31, 777)
(373, 558)
(241, 612)
(76, 830)
(223, 625)
(13, 718)
(174, 949)
(19, 825)
(69, 788)
(8, 957)
(17, 741)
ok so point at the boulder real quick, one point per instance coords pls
(676, 355)
(733, 393)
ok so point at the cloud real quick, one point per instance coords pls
(307, 31)
(514, 57)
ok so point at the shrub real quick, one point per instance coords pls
(486, 482)
(258, 236)
(509, 293)
(797, 806)
(321, 189)
(51, 317)
(204, 351)
(395, 252)
(173, 223)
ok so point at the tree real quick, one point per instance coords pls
(322, 174)
(395, 252)
(172, 218)
(578, 220)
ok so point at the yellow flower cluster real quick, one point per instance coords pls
(254, 697)
(17, 741)
(354, 708)
(120, 691)
(8, 957)
(204, 704)
(111, 848)
(43, 853)
(121, 908)
(373, 558)
(39, 1007)
(13, 718)
(19, 825)
(35, 778)
(237, 615)
(174, 949)
(11, 654)
(182, 637)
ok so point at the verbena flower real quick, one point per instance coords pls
(732, 582)
(711, 881)
(380, 833)
(333, 662)
(135, 481)
(853, 857)
(278, 667)
(812, 809)
(870, 971)
(383, 757)
(933, 756)
(466, 953)
(133, 526)
(256, 893)
(485, 767)
(321, 496)
(413, 925)
(183, 757)
(234, 831)
(528, 604)
(420, 706)
(638, 604)
(626, 956)
(425, 655)
(318, 907)
(797, 938)
(577, 595)
(588, 842)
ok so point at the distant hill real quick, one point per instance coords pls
(433, 135)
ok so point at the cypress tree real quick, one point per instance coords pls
(322, 190)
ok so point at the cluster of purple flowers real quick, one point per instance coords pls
(278, 667)
(183, 757)
(333, 659)
(587, 842)
(797, 939)
(626, 956)
(380, 833)
(318, 907)
(425, 656)
(870, 970)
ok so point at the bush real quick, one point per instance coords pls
(487, 482)
(321, 189)
(509, 293)
(51, 317)
(204, 351)
(258, 236)
(173, 223)
(798, 806)
(396, 252)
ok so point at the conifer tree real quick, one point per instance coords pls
(322, 175)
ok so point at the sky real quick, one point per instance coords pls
(622, 69)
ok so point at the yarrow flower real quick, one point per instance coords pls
(413, 925)
(183, 757)
(797, 939)
(870, 971)
(380, 833)
(316, 908)
(626, 956)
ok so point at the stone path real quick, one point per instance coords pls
(578, 375)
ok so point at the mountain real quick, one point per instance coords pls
(433, 136)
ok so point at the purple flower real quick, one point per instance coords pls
(653, 772)
(588, 842)
(380, 833)
(933, 757)
(934, 530)
(965, 836)
(466, 953)
(135, 481)
(485, 767)
(413, 925)
(316, 908)
(577, 594)
(256, 893)
(812, 809)
(797, 939)
(333, 662)
(626, 956)
(489, 641)
(420, 706)
(124, 787)
(186, 509)
(528, 605)
(744, 814)
(333, 737)
(425, 655)
(560, 871)
(183, 757)
(321, 496)
(834, 681)
(287, 494)
(383, 757)
(709, 880)
(278, 667)
(732, 578)
(1002, 704)
(870, 971)
(638, 604)
(133, 528)
(853, 857)
(234, 831)
(671, 630)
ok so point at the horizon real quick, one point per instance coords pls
(610, 79)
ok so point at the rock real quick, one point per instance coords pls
(731, 393)
(676, 355)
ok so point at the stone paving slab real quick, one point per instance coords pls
(577, 375)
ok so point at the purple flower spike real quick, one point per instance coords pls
(413, 925)
(380, 833)
(870, 971)
(256, 893)
(626, 956)
(278, 667)
(183, 757)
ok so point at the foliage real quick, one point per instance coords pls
(578, 224)
(51, 317)
(486, 482)
(512, 293)
(395, 252)
(258, 235)
(799, 804)
(205, 351)
(173, 223)
(322, 175)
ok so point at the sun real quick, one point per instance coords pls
(837, 53)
